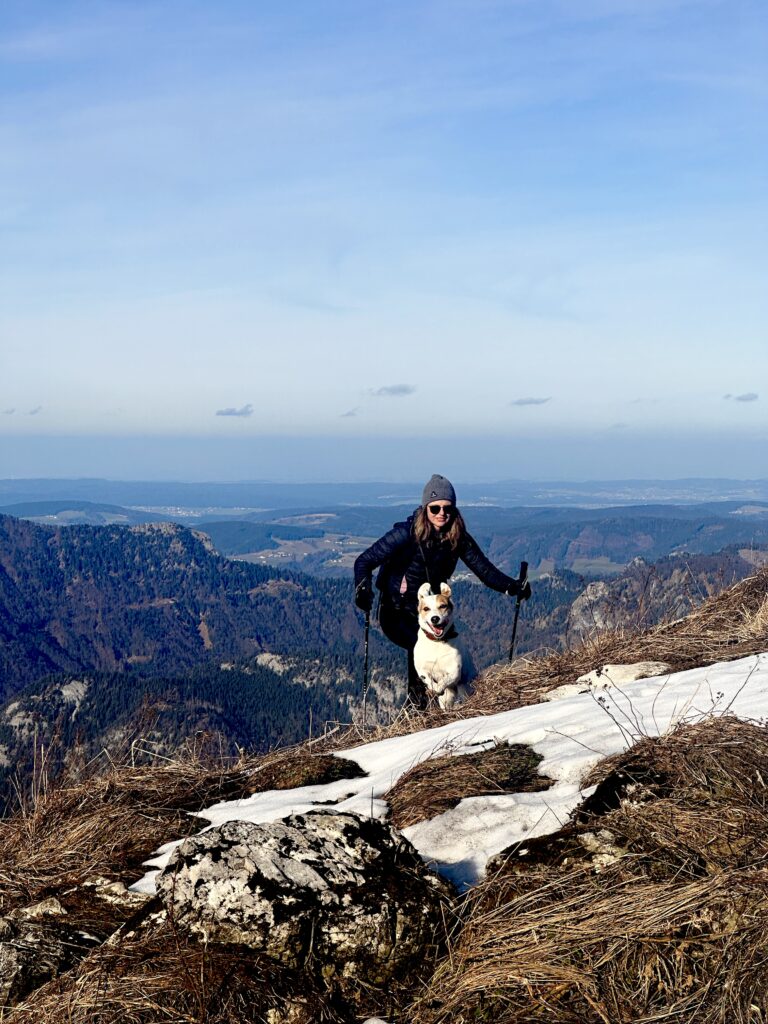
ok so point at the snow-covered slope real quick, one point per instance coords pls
(572, 735)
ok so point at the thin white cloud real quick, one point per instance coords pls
(392, 391)
(36, 410)
(245, 410)
(44, 45)
(349, 413)
(748, 396)
(530, 401)
(8, 412)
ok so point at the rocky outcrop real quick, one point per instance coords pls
(37, 943)
(326, 915)
(645, 595)
(43, 940)
(343, 896)
(594, 610)
(607, 676)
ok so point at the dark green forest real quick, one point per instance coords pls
(253, 709)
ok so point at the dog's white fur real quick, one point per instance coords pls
(443, 664)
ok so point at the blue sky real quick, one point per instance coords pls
(530, 228)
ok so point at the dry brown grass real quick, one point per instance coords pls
(77, 833)
(156, 977)
(107, 824)
(438, 784)
(671, 925)
(104, 826)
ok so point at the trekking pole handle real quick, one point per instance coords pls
(523, 576)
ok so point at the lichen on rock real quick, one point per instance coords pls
(343, 896)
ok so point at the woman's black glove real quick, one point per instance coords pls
(521, 591)
(364, 595)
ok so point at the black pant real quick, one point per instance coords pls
(401, 626)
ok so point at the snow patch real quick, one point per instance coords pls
(572, 735)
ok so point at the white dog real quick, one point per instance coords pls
(441, 661)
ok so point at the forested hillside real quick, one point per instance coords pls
(153, 600)
(118, 716)
(158, 601)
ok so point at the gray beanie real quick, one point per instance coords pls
(438, 489)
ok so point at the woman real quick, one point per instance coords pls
(423, 549)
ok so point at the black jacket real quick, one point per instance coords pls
(406, 564)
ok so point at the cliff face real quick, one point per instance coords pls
(646, 594)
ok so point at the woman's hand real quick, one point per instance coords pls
(522, 591)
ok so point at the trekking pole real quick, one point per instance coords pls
(522, 581)
(365, 671)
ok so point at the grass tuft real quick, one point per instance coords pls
(650, 906)
(438, 784)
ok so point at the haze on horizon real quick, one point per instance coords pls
(509, 238)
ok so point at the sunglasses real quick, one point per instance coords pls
(437, 509)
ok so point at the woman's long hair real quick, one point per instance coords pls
(425, 533)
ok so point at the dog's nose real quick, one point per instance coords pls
(435, 619)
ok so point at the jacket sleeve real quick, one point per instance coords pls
(379, 552)
(483, 568)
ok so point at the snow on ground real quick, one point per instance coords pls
(572, 735)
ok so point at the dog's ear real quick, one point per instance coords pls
(445, 590)
(424, 591)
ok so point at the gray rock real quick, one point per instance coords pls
(344, 895)
(35, 945)
(594, 610)
(41, 941)
(608, 676)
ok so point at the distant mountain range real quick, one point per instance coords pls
(324, 540)
(156, 600)
(593, 542)
(110, 633)
(73, 512)
(269, 495)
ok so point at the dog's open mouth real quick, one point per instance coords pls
(437, 630)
